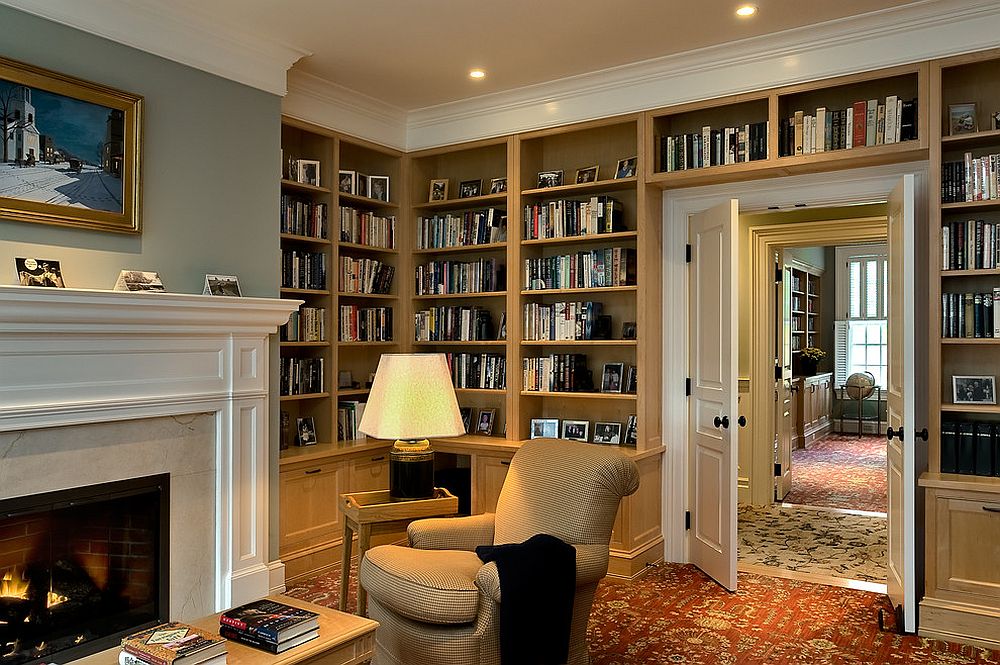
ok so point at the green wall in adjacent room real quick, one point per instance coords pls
(210, 160)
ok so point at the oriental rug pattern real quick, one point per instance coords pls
(841, 471)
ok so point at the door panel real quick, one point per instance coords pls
(713, 356)
(782, 387)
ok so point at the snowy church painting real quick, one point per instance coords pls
(69, 150)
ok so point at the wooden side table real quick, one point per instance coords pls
(374, 513)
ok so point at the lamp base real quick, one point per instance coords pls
(411, 470)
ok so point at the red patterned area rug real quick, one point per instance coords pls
(841, 471)
(676, 614)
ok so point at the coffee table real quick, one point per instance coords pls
(373, 513)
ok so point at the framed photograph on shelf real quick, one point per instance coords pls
(550, 179)
(360, 184)
(626, 167)
(72, 151)
(544, 428)
(628, 330)
(609, 433)
(974, 389)
(484, 423)
(588, 174)
(631, 384)
(962, 119)
(305, 431)
(378, 187)
(469, 188)
(439, 190)
(38, 272)
(466, 413)
(308, 172)
(576, 430)
(345, 379)
(345, 182)
(631, 431)
(995, 120)
(498, 185)
(611, 377)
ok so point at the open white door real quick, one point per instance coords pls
(712, 415)
(901, 403)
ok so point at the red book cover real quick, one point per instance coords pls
(860, 123)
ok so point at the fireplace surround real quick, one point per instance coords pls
(102, 386)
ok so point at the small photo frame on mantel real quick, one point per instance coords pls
(222, 285)
(962, 119)
(974, 389)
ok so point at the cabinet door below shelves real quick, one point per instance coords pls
(965, 548)
(310, 514)
(491, 471)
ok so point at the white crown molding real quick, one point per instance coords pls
(911, 33)
(328, 104)
(190, 37)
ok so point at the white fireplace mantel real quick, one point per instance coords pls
(76, 357)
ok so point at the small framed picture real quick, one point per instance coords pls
(576, 430)
(626, 167)
(305, 431)
(484, 424)
(360, 184)
(995, 120)
(138, 280)
(222, 285)
(466, 413)
(628, 330)
(502, 328)
(974, 389)
(345, 182)
(345, 379)
(308, 172)
(439, 190)
(588, 174)
(962, 119)
(611, 377)
(609, 433)
(378, 187)
(470, 188)
(498, 185)
(544, 428)
(38, 272)
(631, 431)
(631, 384)
(550, 179)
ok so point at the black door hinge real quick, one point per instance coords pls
(687, 253)
(777, 470)
(687, 387)
(687, 520)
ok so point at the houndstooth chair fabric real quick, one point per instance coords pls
(440, 604)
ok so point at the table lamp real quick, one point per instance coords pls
(412, 400)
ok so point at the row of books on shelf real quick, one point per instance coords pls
(970, 314)
(366, 228)
(306, 324)
(970, 448)
(714, 147)
(303, 270)
(970, 245)
(612, 266)
(864, 123)
(568, 372)
(365, 275)
(265, 624)
(971, 179)
(478, 370)
(569, 218)
(464, 229)
(455, 277)
(365, 324)
(455, 324)
(562, 321)
(349, 414)
(303, 218)
(300, 376)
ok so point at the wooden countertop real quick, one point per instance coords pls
(956, 481)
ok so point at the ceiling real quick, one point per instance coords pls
(416, 54)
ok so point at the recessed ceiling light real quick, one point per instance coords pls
(746, 10)
(477, 74)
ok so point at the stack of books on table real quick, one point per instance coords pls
(269, 625)
(173, 643)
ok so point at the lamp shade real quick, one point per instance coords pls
(412, 397)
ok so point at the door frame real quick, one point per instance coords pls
(764, 240)
(855, 186)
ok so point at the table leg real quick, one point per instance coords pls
(364, 541)
(345, 564)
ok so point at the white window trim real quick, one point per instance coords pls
(850, 253)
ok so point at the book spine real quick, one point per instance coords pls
(125, 658)
(149, 658)
(244, 638)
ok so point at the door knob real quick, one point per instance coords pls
(742, 421)
(722, 422)
(922, 434)
(889, 433)
(718, 422)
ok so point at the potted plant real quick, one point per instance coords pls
(811, 355)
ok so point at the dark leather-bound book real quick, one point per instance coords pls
(949, 448)
(984, 449)
(966, 448)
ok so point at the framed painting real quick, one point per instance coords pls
(69, 151)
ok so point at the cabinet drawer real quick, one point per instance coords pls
(966, 546)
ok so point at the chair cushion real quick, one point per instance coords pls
(434, 586)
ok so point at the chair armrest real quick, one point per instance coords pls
(451, 533)
(488, 581)
(591, 567)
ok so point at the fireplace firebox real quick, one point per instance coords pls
(81, 568)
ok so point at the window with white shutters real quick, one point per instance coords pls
(861, 334)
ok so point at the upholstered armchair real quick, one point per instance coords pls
(436, 602)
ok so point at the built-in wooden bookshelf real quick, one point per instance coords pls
(804, 301)
(960, 598)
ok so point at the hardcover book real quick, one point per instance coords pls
(270, 620)
(174, 643)
(260, 643)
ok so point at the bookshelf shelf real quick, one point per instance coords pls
(368, 296)
(366, 248)
(371, 344)
(461, 249)
(304, 239)
(971, 408)
(296, 398)
(480, 391)
(591, 238)
(306, 292)
(480, 342)
(352, 392)
(581, 342)
(971, 273)
(569, 395)
(573, 189)
(966, 341)
(303, 187)
(480, 294)
(595, 289)
(470, 203)
(292, 345)
(365, 201)
(973, 140)
(972, 206)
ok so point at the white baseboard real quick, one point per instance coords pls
(276, 577)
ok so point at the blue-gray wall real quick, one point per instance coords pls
(210, 165)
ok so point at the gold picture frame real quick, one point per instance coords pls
(74, 149)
